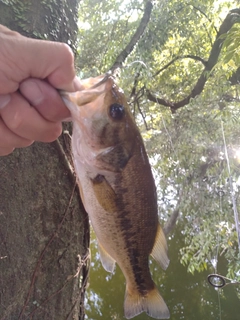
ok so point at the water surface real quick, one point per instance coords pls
(188, 296)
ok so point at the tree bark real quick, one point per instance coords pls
(44, 230)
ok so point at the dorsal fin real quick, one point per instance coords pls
(159, 251)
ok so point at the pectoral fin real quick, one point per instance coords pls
(107, 261)
(104, 193)
(159, 251)
(81, 193)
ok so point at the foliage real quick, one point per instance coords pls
(231, 47)
(103, 34)
(186, 146)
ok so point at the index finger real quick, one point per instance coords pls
(21, 58)
(55, 62)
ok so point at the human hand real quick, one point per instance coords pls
(31, 71)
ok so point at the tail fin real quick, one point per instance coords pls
(152, 303)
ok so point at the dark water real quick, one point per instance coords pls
(188, 296)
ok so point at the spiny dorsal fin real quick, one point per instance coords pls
(159, 251)
(107, 261)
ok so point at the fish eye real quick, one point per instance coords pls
(116, 111)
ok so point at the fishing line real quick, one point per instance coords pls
(231, 188)
(219, 306)
(218, 237)
(137, 61)
(216, 280)
(214, 261)
(142, 64)
(212, 278)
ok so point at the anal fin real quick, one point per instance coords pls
(159, 251)
(107, 261)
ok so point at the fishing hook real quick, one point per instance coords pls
(106, 77)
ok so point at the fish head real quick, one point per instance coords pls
(101, 112)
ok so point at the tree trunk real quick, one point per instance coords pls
(44, 231)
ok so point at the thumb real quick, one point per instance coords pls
(23, 58)
(45, 99)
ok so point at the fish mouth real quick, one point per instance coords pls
(92, 88)
(91, 83)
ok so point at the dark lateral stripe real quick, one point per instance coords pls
(130, 235)
(134, 254)
(138, 272)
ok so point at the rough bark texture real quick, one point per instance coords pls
(44, 233)
(54, 20)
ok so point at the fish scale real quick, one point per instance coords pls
(118, 190)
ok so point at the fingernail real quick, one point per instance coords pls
(32, 92)
(4, 100)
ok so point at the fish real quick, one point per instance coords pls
(118, 190)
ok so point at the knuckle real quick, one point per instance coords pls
(68, 53)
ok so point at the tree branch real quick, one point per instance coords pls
(135, 38)
(170, 224)
(204, 14)
(235, 78)
(227, 24)
(188, 56)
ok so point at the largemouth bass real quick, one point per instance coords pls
(118, 190)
